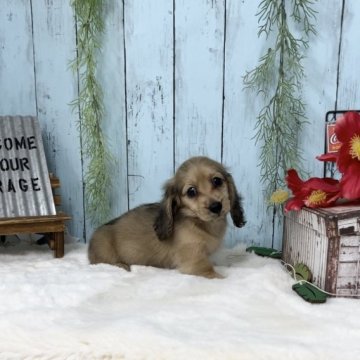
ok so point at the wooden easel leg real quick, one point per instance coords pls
(59, 244)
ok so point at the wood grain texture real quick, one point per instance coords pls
(240, 153)
(313, 237)
(164, 74)
(111, 75)
(149, 94)
(349, 84)
(17, 90)
(319, 87)
(199, 40)
(306, 241)
(56, 88)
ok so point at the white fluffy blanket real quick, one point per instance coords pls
(66, 309)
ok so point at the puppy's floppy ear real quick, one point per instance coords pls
(236, 210)
(164, 222)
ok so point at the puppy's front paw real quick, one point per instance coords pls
(214, 275)
(210, 274)
(199, 267)
(123, 266)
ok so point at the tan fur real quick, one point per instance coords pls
(179, 232)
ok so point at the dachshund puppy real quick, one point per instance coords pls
(179, 232)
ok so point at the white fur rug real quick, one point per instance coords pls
(66, 309)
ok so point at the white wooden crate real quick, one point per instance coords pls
(327, 240)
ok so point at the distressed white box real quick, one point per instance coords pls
(327, 240)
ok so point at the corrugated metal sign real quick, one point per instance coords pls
(25, 188)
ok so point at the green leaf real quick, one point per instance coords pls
(278, 79)
(302, 272)
(309, 293)
(263, 251)
(90, 105)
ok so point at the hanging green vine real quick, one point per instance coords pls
(97, 178)
(278, 78)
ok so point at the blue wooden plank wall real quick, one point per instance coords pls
(172, 73)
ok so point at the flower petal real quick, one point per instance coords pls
(347, 125)
(293, 181)
(329, 201)
(328, 185)
(344, 158)
(350, 182)
(332, 199)
(294, 204)
(328, 157)
(302, 189)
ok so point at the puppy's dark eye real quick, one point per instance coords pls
(191, 192)
(217, 182)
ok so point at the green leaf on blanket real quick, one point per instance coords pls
(263, 251)
(302, 272)
(309, 292)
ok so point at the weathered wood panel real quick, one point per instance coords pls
(149, 97)
(164, 78)
(319, 87)
(17, 90)
(56, 87)
(312, 237)
(241, 154)
(349, 84)
(305, 241)
(111, 74)
(199, 42)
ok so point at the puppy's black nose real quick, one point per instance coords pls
(215, 207)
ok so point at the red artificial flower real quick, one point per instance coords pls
(332, 157)
(314, 192)
(347, 130)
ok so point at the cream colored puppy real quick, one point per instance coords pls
(179, 232)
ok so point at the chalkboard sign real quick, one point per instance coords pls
(25, 188)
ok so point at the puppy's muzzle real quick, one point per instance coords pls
(215, 207)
